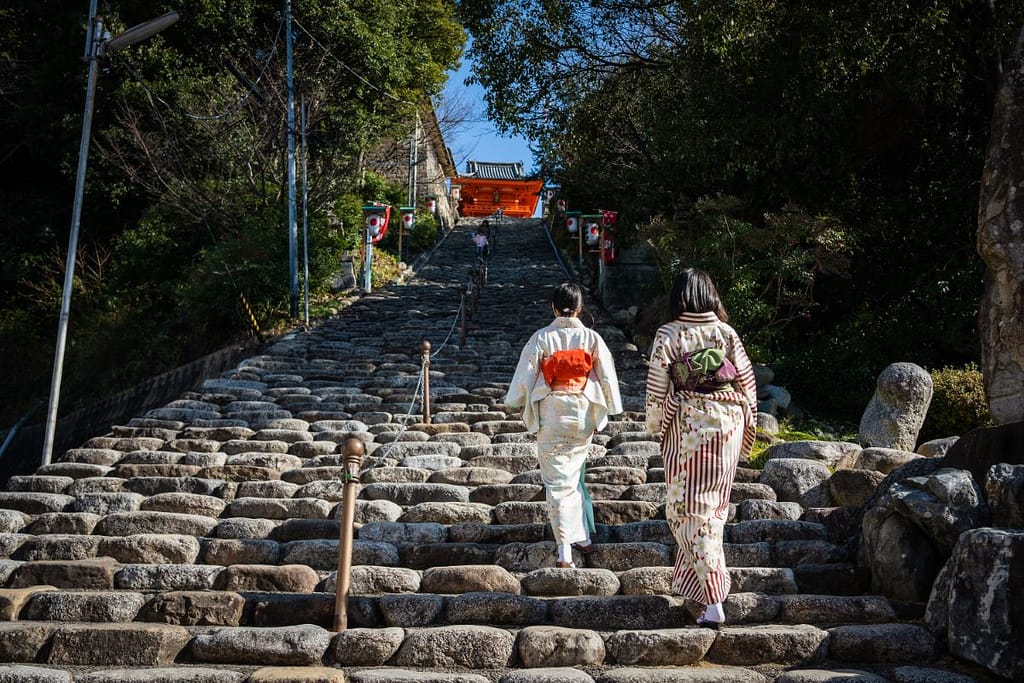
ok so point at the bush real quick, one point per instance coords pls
(958, 403)
(758, 455)
(422, 237)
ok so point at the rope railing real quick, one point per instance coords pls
(423, 383)
(455, 322)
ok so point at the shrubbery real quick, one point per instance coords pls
(958, 403)
(807, 429)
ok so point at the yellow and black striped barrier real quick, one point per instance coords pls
(255, 326)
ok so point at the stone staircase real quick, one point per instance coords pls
(199, 541)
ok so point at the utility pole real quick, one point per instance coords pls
(305, 209)
(411, 194)
(293, 238)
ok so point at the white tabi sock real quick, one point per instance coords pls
(715, 613)
(565, 552)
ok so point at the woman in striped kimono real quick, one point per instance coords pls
(705, 426)
(566, 386)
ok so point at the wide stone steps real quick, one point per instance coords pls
(198, 542)
(163, 537)
(473, 647)
(551, 599)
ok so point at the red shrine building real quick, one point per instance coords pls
(487, 186)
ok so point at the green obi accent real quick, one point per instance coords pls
(704, 371)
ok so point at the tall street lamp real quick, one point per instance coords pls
(98, 43)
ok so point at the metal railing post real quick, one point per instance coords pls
(462, 318)
(353, 450)
(425, 356)
(474, 281)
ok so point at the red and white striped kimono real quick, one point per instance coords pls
(703, 436)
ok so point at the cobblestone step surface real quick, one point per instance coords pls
(198, 542)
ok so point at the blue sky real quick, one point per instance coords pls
(478, 140)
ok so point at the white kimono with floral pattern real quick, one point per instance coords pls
(703, 437)
(565, 421)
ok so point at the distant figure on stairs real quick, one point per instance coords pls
(566, 385)
(481, 242)
(701, 402)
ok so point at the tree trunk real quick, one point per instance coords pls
(1001, 246)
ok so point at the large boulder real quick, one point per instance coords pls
(979, 449)
(943, 505)
(884, 460)
(936, 448)
(896, 412)
(900, 557)
(853, 487)
(838, 455)
(975, 605)
(1000, 241)
(799, 481)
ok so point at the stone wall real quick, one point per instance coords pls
(25, 451)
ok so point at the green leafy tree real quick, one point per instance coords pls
(186, 197)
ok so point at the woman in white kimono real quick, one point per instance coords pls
(566, 386)
(705, 423)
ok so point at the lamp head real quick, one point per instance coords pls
(142, 31)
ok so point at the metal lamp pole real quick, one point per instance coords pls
(293, 247)
(97, 44)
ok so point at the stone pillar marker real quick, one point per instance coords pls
(893, 417)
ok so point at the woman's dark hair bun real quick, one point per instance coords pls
(567, 297)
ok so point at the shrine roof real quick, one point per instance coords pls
(493, 170)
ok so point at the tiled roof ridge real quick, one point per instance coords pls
(498, 170)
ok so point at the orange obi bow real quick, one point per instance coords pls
(567, 369)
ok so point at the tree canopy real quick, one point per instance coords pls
(863, 124)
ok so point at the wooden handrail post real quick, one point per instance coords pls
(353, 450)
(425, 357)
